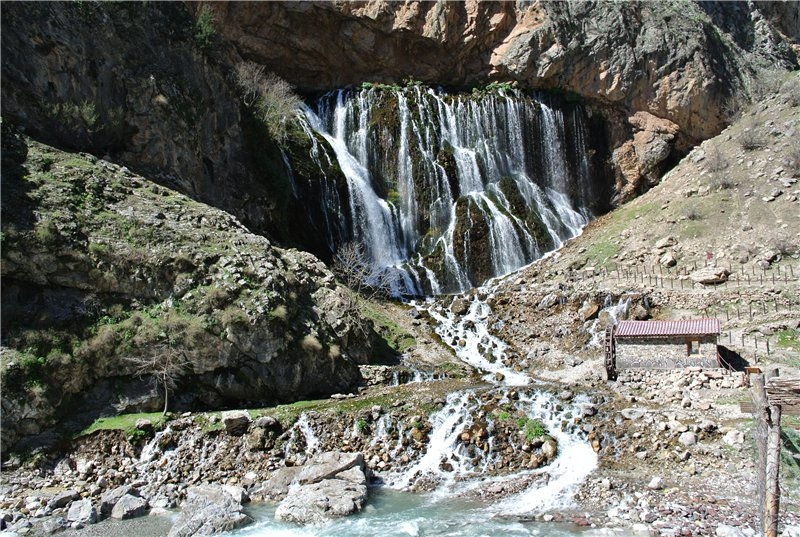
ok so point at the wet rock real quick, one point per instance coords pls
(331, 485)
(460, 306)
(209, 509)
(588, 310)
(277, 486)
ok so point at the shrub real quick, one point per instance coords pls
(204, 30)
(750, 138)
(217, 296)
(533, 429)
(234, 316)
(310, 343)
(715, 160)
(693, 214)
(279, 313)
(271, 98)
(791, 91)
(46, 232)
(722, 182)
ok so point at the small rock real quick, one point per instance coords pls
(632, 413)
(688, 438)
(724, 530)
(656, 483)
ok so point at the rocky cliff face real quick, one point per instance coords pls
(130, 80)
(100, 267)
(663, 71)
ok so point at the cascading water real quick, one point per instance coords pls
(446, 190)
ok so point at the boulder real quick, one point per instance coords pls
(460, 306)
(62, 499)
(236, 422)
(129, 506)
(82, 512)
(277, 486)
(110, 498)
(588, 310)
(665, 243)
(330, 485)
(209, 509)
(668, 259)
(688, 438)
(710, 275)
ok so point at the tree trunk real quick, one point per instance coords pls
(166, 398)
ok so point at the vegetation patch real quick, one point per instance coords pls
(124, 422)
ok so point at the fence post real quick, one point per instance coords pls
(767, 432)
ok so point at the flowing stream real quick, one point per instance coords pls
(454, 474)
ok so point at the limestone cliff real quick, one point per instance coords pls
(665, 72)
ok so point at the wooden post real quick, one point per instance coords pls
(767, 432)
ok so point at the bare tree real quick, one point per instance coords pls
(164, 363)
(272, 99)
(364, 281)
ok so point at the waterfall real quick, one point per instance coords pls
(448, 190)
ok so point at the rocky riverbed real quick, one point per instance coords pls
(674, 454)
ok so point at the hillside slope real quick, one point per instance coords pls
(101, 267)
(733, 205)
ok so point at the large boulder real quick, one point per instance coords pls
(236, 422)
(209, 509)
(129, 506)
(82, 512)
(330, 485)
(710, 275)
(110, 498)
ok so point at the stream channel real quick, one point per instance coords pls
(454, 506)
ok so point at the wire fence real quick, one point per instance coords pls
(671, 278)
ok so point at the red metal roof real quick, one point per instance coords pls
(689, 327)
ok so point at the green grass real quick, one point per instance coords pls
(396, 337)
(123, 422)
(605, 244)
(789, 339)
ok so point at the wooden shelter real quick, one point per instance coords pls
(662, 344)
